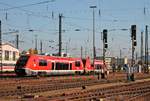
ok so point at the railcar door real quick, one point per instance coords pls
(70, 69)
(43, 67)
(62, 68)
(78, 67)
(52, 68)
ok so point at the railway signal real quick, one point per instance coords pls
(133, 34)
(133, 30)
(134, 43)
(105, 38)
(105, 35)
(105, 45)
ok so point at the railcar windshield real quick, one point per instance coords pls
(22, 61)
(84, 62)
(77, 63)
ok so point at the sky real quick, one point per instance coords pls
(39, 19)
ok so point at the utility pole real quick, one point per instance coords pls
(141, 48)
(36, 43)
(120, 57)
(146, 49)
(81, 52)
(94, 48)
(85, 51)
(17, 41)
(41, 47)
(66, 48)
(60, 34)
(1, 60)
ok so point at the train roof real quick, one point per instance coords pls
(52, 57)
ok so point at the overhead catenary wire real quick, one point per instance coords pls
(27, 5)
(28, 12)
(34, 13)
(52, 13)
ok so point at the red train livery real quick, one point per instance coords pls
(31, 65)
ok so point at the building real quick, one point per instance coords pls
(119, 62)
(108, 61)
(9, 57)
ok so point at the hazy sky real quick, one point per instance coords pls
(41, 16)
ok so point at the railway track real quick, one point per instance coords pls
(7, 84)
(42, 85)
(28, 80)
(20, 90)
(141, 97)
(112, 92)
(12, 82)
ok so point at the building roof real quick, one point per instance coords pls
(8, 44)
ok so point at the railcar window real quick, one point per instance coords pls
(22, 61)
(62, 66)
(52, 65)
(84, 62)
(77, 63)
(42, 63)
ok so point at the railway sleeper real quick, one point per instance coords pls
(83, 97)
(81, 84)
(141, 97)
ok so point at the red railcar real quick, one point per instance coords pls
(52, 65)
(48, 65)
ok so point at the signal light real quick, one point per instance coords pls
(133, 31)
(105, 35)
(134, 37)
(106, 45)
(135, 43)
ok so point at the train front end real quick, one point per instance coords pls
(20, 67)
